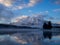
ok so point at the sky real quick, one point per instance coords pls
(10, 9)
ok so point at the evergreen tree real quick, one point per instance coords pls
(49, 25)
(44, 26)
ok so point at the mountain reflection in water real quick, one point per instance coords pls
(32, 38)
(20, 39)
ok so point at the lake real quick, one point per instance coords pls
(28, 38)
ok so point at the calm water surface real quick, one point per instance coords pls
(24, 40)
(35, 38)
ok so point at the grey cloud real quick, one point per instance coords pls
(55, 1)
(5, 15)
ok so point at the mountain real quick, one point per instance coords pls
(33, 21)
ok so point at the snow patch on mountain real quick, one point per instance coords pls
(33, 21)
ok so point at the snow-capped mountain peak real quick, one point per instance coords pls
(35, 21)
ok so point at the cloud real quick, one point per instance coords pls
(5, 15)
(33, 2)
(56, 1)
(56, 10)
(44, 12)
(52, 18)
(6, 2)
(18, 4)
(30, 11)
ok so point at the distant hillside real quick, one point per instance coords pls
(14, 26)
(56, 25)
(24, 27)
